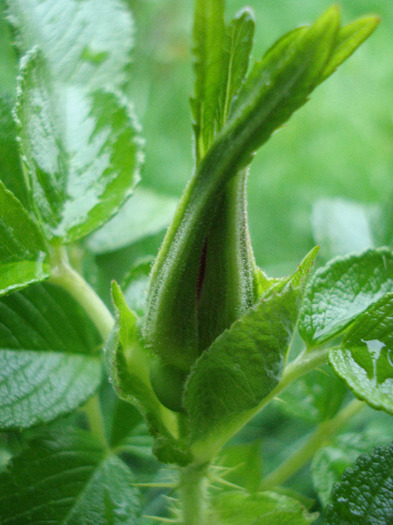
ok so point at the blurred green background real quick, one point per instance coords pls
(338, 145)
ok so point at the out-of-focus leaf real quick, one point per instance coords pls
(48, 355)
(342, 290)
(341, 226)
(260, 508)
(145, 214)
(82, 152)
(67, 476)
(136, 284)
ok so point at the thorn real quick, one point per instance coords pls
(227, 483)
(167, 485)
(279, 400)
(158, 519)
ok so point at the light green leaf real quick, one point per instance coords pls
(10, 166)
(260, 508)
(146, 213)
(365, 491)
(349, 38)
(82, 152)
(207, 102)
(365, 359)
(342, 226)
(330, 462)
(136, 284)
(22, 245)
(314, 397)
(342, 290)
(129, 370)
(48, 355)
(86, 43)
(66, 476)
(245, 362)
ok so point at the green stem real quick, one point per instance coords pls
(96, 421)
(193, 494)
(207, 448)
(321, 435)
(65, 276)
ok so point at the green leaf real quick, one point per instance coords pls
(342, 290)
(136, 284)
(314, 397)
(66, 476)
(48, 355)
(260, 508)
(342, 226)
(129, 370)
(245, 362)
(365, 491)
(86, 43)
(82, 152)
(330, 462)
(349, 38)
(11, 170)
(146, 214)
(365, 359)
(207, 102)
(22, 245)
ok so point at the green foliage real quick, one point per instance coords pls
(202, 339)
(92, 485)
(48, 351)
(364, 492)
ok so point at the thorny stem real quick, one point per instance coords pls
(320, 436)
(193, 494)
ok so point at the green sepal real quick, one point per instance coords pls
(245, 362)
(129, 369)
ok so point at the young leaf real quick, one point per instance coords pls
(260, 508)
(342, 290)
(136, 284)
(48, 355)
(67, 476)
(245, 362)
(365, 359)
(330, 462)
(207, 102)
(365, 491)
(129, 370)
(82, 152)
(86, 43)
(22, 245)
(146, 214)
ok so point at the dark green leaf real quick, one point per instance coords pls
(67, 477)
(11, 170)
(260, 508)
(86, 43)
(330, 462)
(146, 213)
(22, 245)
(245, 362)
(48, 354)
(82, 152)
(342, 290)
(365, 492)
(365, 359)
(314, 397)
